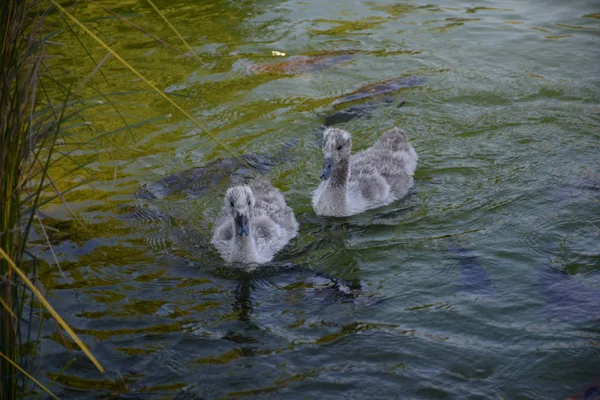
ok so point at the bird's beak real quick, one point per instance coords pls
(241, 225)
(327, 168)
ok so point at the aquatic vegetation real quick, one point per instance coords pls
(347, 26)
(31, 131)
(474, 10)
(395, 10)
(387, 86)
(359, 111)
(302, 64)
(594, 15)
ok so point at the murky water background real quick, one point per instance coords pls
(483, 283)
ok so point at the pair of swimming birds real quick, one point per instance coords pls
(256, 222)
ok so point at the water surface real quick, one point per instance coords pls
(483, 283)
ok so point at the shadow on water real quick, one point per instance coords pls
(224, 172)
(591, 391)
(318, 286)
(568, 297)
(388, 86)
(565, 296)
(475, 279)
(360, 111)
(284, 274)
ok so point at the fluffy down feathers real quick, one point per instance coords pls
(270, 224)
(371, 178)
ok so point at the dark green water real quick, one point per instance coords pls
(483, 283)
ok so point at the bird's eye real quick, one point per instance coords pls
(248, 202)
(339, 147)
(231, 203)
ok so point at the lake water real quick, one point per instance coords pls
(483, 283)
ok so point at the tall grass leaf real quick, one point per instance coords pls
(174, 30)
(45, 169)
(44, 388)
(145, 32)
(51, 310)
(80, 165)
(7, 308)
(60, 372)
(99, 69)
(59, 194)
(52, 198)
(135, 125)
(51, 248)
(69, 173)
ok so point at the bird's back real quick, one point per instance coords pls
(271, 204)
(396, 141)
(383, 172)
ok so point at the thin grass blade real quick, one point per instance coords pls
(51, 310)
(44, 388)
(174, 30)
(145, 80)
(145, 32)
(7, 308)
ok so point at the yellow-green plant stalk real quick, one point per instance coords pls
(17, 73)
(27, 141)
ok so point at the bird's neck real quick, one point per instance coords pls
(244, 249)
(333, 200)
(339, 175)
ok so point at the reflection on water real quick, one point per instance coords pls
(483, 282)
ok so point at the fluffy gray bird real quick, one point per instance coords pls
(255, 223)
(369, 179)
